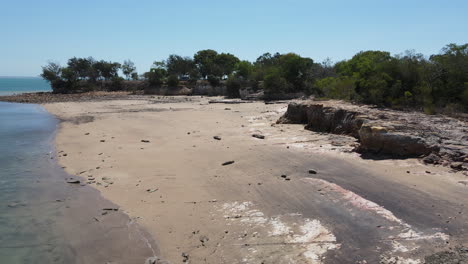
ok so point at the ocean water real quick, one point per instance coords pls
(15, 85)
(27, 211)
(44, 219)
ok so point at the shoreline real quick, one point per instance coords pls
(103, 211)
(192, 209)
(59, 221)
(49, 97)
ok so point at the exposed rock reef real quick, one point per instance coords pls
(437, 139)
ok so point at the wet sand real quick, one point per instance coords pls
(157, 159)
(44, 218)
(87, 231)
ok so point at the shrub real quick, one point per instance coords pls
(116, 84)
(213, 80)
(233, 84)
(274, 83)
(172, 81)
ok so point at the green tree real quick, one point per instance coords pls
(107, 70)
(295, 70)
(451, 68)
(82, 67)
(157, 74)
(372, 74)
(205, 62)
(51, 72)
(244, 69)
(128, 69)
(224, 64)
(180, 66)
(337, 87)
(274, 82)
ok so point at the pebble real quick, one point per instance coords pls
(185, 257)
(228, 163)
(73, 181)
(258, 136)
(110, 209)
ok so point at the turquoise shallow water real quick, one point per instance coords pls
(27, 211)
(43, 219)
(14, 85)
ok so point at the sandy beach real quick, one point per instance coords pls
(294, 196)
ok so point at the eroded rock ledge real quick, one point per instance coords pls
(439, 139)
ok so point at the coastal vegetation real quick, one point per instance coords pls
(407, 80)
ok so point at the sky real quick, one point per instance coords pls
(34, 32)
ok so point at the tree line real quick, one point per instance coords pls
(372, 77)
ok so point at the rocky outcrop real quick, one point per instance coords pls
(323, 119)
(379, 139)
(295, 114)
(336, 121)
(385, 131)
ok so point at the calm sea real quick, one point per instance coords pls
(15, 85)
(26, 211)
(44, 219)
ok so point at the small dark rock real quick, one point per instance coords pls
(73, 181)
(217, 138)
(185, 257)
(145, 141)
(155, 260)
(228, 163)
(283, 176)
(431, 159)
(456, 165)
(203, 240)
(312, 172)
(110, 209)
(258, 136)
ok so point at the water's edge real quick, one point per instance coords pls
(62, 222)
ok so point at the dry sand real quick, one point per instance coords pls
(265, 207)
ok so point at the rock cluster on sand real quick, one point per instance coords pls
(441, 139)
(48, 97)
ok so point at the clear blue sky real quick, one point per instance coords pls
(33, 32)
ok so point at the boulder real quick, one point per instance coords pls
(295, 114)
(382, 140)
